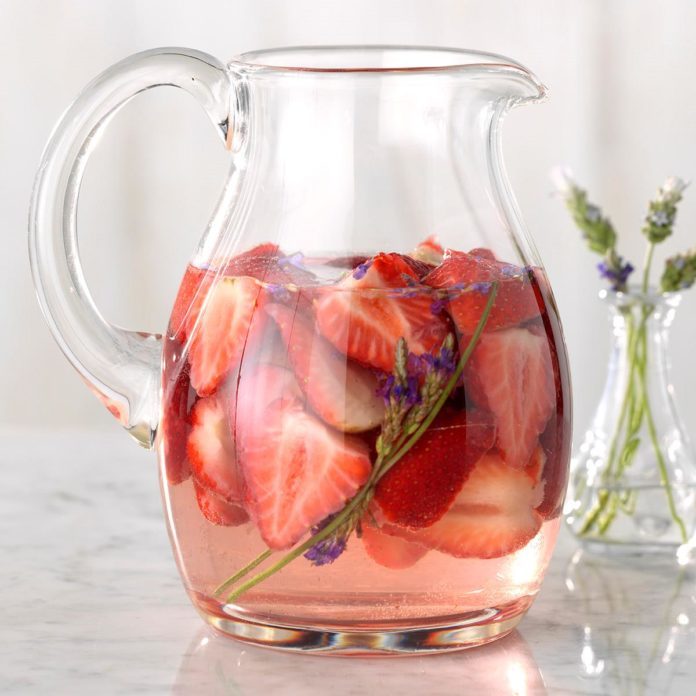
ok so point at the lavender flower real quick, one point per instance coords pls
(437, 306)
(662, 210)
(278, 292)
(483, 288)
(295, 260)
(329, 549)
(616, 272)
(360, 270)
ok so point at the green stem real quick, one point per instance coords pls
(605, 497)
(379, 470)
(664, 475)
(646, 266)
(243, 571)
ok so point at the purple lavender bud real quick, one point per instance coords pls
(660, 218)
(360, 270)
(278, 292)
(326, 551)
(510, 271)
(412, 392)
(295, 260)
(385, 388)
(483, 288)
(437, 306)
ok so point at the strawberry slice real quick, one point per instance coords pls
(217, 510)
(219, 333)
(468, 277)
(297, 470)
(510, 374)
(175, 421)
(192, 292)
(341, 392)
(429, 251)
(493, 514)
(390, 551)
(211, 450)
(267, 263)
(420, 488)
(367, 312)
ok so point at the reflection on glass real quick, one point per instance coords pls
(217, 666)
(637, 620)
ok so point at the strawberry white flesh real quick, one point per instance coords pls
(211, 451)
(511, 375)
(220, 332)
(297, 470)
(390, 551)
(341, 392)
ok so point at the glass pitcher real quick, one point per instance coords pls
(361, 404)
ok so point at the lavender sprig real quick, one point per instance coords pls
(635, 412)
(680, 272)
(662, 210)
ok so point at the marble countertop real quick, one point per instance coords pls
(92, 604)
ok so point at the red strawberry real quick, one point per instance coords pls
(296, 469)
(364, 320)
(420, 488)
(267, 263)
(192, 292)
(342, 392)
(483, 253)
(429, 251)
(493, 514)
(211, 449)
(174, 424)
(390, 551)
(217, 510)
(510, 374)
(515, 303)
(219, 334)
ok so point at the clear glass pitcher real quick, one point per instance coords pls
(361, 404)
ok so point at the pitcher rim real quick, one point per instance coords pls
(263, 61)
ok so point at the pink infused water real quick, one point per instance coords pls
(372, 442)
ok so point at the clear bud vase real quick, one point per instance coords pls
(633, 479)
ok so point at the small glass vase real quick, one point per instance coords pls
(633, 478)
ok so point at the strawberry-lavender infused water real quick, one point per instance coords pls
(370, 443)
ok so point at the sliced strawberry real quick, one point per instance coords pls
(420, 488)
(493, 514)
(342, 392)
(468, 279)
(366, 313)
(211, 449)
(429, 251)
(483, 253)
(510, 374)
(296, 469)
(192, 292)
(256, 388)
(555, 440)
(390, 551)
(217, 510)
(268, 264)
(220, 332)
(175, 422)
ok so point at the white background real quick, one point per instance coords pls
(622, 113)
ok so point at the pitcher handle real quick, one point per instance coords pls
(122, 367)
